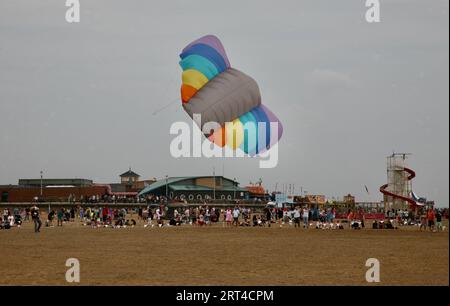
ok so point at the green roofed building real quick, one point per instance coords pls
(196, 188)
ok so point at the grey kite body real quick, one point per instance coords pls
(225, 98)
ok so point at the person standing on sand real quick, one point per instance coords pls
(269, 216)
(59, 217)
(423, 222)
(228, 217)
(350, 218)
(297, 217)
(35, 216)
(186, 215)
(50, 217)
(280, 216)
(72, 214)
(27, 214)
(438, 221)
(5, 214)
(305, 217)
(236, 213)
(105, 214)
(430, 218)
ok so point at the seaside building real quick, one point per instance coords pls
(52, 190)
(130, 185)
(71, 189)
(196, 188)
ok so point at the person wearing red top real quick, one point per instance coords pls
(105, 214)
(430, 218)
(350, 218)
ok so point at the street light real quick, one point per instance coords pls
(42, 175)
(167, 190)
(41, 181)
(214, 176)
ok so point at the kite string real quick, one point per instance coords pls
(172, 81)
(166, 106)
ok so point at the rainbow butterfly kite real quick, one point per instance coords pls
(226, 96)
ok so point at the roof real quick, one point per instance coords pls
(256, 189)
(161, 183)
(203, 188)
(171, 180)
(190, 188)
(129, 173)
(55, 181)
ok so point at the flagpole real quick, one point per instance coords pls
(214, 175)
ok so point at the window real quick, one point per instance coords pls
(191, 197)
(229, 197)
(199, 196)
(222, 197)
(4, 197)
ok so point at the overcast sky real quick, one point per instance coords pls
(77, 100)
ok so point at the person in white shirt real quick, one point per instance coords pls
(297, 217)
(5, 214)
(186, 215)
(236, 214)
(11, 220)
(305, 217)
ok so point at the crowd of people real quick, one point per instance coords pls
(111, 198)
(424, 218)
(240, 216)
(14, 217)
(206, 215)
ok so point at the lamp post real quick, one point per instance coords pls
(41, 181)
(214, 176)
(42, 186)
(167, 189)
(234, 186)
